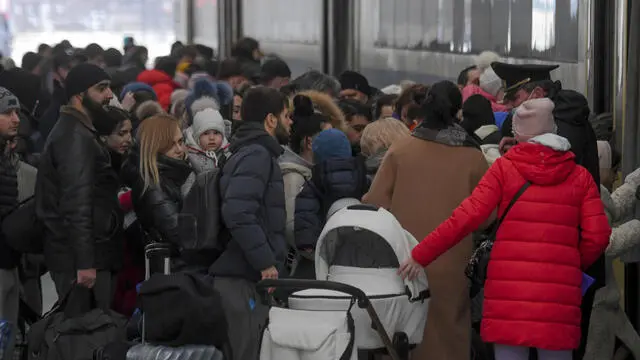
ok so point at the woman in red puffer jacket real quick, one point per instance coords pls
(161, 80)
(553, 232)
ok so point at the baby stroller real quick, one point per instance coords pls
(356, 261)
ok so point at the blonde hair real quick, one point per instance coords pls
(155, 136)
(381, 134)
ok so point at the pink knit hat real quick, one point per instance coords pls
(534, 117)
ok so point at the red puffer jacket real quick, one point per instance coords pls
(162, 84)
(554, 231)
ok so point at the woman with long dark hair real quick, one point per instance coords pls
(421, 181)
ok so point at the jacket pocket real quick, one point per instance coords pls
(106, 223)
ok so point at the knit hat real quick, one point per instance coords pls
(8, 101)
(331, 144)
(476, 112)
(534, 117)
(178, 97)
(605, 155)
(207, 94)
(135, 87)
(205, 120)
(484, 60)
(351, 80)
(490, 82)
(82, 77)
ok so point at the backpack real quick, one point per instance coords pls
(68, 333)
(200, 219)
(22, 229)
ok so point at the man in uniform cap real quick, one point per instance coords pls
(76, 190)
(524, 82)
(571, 113)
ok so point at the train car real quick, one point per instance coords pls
(426, 41)
(595, 42)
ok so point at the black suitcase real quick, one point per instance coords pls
(157, 260)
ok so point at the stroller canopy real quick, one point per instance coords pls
(366, 237)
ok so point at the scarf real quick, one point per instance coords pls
(454, 135)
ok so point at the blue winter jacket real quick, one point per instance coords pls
(332, 180)
(252, 206)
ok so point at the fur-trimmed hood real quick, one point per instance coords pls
(327, 106)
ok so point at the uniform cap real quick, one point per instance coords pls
(515, 76)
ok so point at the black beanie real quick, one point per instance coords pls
(476, 112)
(82, 77)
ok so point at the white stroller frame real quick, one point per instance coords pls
(363, 227)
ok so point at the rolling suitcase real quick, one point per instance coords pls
(158, 260)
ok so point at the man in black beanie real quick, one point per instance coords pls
(76, 190)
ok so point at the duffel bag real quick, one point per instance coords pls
(65, 333)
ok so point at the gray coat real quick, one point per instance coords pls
(608, 319)
(252, 206)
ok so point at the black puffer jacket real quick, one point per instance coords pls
(157, 207)
(253, 207)
(9, 259)
(77, 198)
(332, 180)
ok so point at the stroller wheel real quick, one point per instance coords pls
(401, 344)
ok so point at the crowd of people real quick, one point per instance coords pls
(105, 151)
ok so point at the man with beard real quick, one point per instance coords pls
(253, 211)
(9, 259)
(76, 190)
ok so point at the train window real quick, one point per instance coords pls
(205, 18)
(545, 29)
(287, 21)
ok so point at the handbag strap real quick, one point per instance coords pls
(511, 203)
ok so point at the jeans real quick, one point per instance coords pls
(507, 352)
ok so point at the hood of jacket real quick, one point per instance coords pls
(340, 178)
(289, 161)
(254, 133)
(571, 107)
(154, 77)
(543, 160)
(175, 170)
(328, 107)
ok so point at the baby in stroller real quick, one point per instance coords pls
(361, 247)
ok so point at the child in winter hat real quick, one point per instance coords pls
(532, 118)
(206, 142)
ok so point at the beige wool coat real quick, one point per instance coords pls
(421, 182)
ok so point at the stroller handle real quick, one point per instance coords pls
(357, 294)
(296, 284)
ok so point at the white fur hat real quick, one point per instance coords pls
(490, 82)
(534, 117)
(484, 59)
